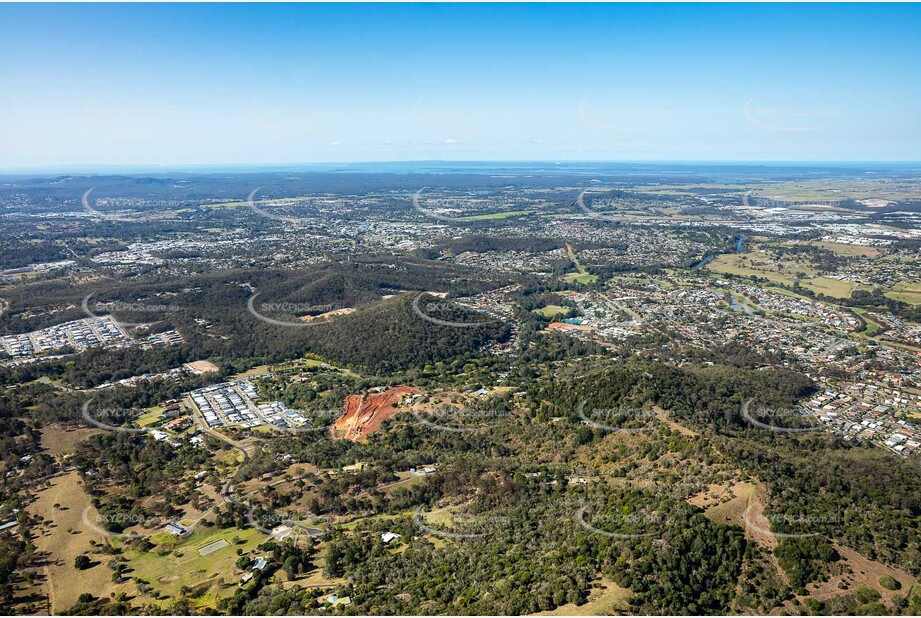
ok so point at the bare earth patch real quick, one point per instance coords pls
(565, 326)
(328, 315)
(364, 413)
(202, 366)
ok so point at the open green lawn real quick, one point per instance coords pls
(306, 363)
(552, 310)
(784, 292)
(151, 416)
(255, 371)
(581, 277)
(906, 292)
(200, 573)
(760, 264)
(872, 326)
(829, 287)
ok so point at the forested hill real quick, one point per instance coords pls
(211, 312)
(811, 476)
(392, 336)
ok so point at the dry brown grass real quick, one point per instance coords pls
(712, 495)
(607, 600)
(865, 572)
(63, 537)
(849, 250)
(727, 504)
(60, 440)
(662, 415)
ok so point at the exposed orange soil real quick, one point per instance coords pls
(365, 413)
(565, 326)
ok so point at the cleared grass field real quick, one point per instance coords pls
(551, 310)
(849, 250)
(864, 572)
(150, 417)
(315, 578)
(906, 292)
(759, 264)
(59, 440)
(762, 264)
(581, 277)
(497, 215)
(176, 562)
(407, 479)
(255, 371)
(64, 537)
(608, 599)
(872, 326)
(830, 287)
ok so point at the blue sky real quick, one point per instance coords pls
(261, 84)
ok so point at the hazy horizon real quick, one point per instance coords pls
(470, 164)
(208, 85)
